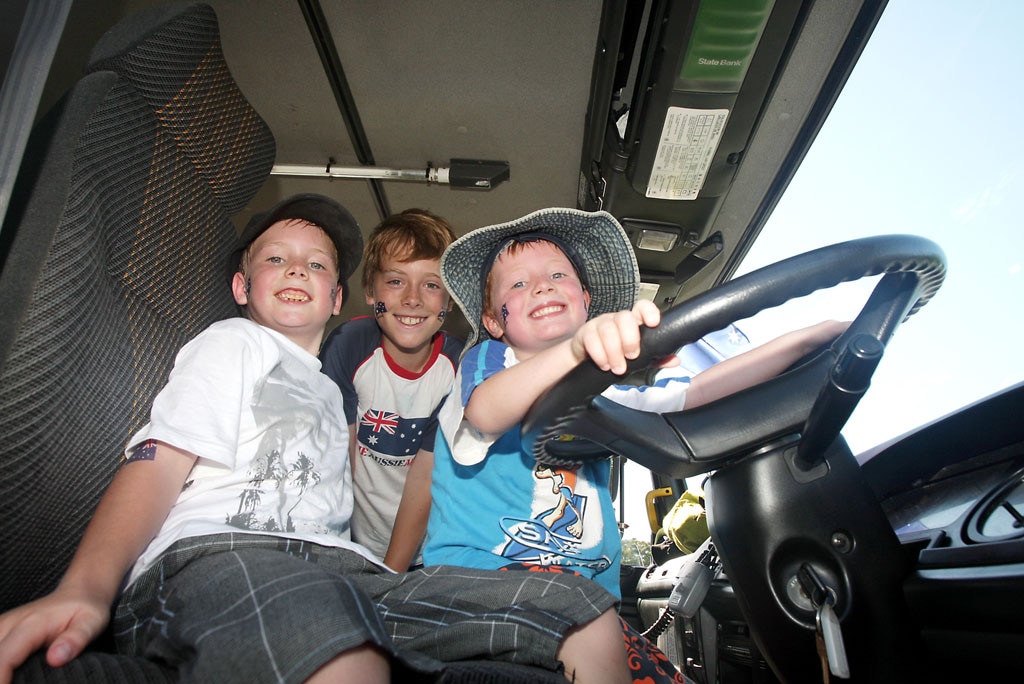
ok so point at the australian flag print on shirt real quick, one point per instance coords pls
(388, 434)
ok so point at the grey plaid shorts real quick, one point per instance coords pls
(241, 607)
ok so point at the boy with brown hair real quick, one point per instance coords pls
(394, 368)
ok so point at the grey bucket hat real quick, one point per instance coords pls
(594, 241)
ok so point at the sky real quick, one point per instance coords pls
(925, 139)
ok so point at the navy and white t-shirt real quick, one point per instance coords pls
(394, 412)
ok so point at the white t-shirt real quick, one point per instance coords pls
(268, 429)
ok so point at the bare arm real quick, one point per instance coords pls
(501, 401)
(413, 511)
(352, 448)
(128, 517)
(759, 364)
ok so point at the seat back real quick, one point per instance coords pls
(113, 250)
(113, 253)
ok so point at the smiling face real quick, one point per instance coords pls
(535, 298)
(289, 281)
(410, 303)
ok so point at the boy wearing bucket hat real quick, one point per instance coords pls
(223, 541)
(542, 293)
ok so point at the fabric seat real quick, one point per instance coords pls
(118, 244)
(113, 252)
(114, 249)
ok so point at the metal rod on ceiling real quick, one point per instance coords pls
(324, 44)
(473, 174)
(368, 172)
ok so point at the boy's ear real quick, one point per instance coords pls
(339, 298)
(370, 301)
(492, 326)
(238, 289)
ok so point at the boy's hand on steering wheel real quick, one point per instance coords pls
(612, 339)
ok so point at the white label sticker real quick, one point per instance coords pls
(688, 142)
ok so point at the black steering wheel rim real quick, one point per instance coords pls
(913, 268)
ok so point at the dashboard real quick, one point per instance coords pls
(954, 493)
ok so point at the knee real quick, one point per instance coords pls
(364, 663)
(595, 651)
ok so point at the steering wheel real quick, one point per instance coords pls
(698, 441)
(786, 499)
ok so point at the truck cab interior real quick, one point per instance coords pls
(139, 136)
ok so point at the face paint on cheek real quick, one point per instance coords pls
(248, 286)
(504, 314)
(379, 309)
(441, 314)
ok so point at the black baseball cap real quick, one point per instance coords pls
(331, 217)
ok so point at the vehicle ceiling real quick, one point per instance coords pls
(507, 80)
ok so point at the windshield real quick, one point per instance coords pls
(924, 139)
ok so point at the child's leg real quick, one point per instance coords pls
(594, 652)
(453, 613)
(257, 615)
(362, 664)
(645, 660)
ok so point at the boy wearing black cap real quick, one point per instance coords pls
(224, 537)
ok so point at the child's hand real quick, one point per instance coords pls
(61, 621)
(610, 340)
